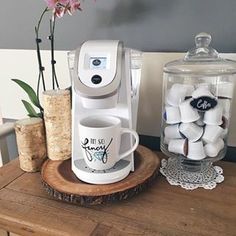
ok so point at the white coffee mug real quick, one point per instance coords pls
(100, 139)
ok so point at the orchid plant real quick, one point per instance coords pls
(58, 8)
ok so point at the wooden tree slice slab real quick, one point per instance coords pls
(61, 183)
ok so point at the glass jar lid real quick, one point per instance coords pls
(201, 60)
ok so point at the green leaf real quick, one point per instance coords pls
(31, 93)
(40, 115)
(30, 109)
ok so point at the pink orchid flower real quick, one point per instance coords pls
(73, 6)
(61, 7)
(59, 11)
(54, 3)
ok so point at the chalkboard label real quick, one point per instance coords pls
(203, 103)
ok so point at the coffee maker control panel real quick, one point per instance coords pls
(97, 65)
(98, 68)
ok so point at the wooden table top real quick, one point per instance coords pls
(26, 209)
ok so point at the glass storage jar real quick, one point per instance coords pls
(197, 97)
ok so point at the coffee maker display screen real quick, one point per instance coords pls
(98, 63)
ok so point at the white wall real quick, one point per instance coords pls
(22, 64)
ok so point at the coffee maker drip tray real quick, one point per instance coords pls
(118, 172)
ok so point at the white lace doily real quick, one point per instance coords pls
(207, 179)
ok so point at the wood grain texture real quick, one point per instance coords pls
(50, 217)
(31, 143)
(61, 183)
(57, 120)
(9, 172)
(162, 209)
(3, 232)
(28, 215)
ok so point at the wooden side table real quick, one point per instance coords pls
(26, 209)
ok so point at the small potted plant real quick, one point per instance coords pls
(30, 133)
(55, 113)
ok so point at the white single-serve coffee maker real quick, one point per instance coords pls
(105, 81)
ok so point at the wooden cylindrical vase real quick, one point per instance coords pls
(57, 117)
(31, 143)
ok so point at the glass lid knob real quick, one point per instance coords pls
(202, 50)
(203, 39)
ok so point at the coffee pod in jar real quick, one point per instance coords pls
(196, 150)
(202, 92)
(213, 149)
(172, 132)
(224, 133)
(213, 116)
(204, 85)
(179, 146)
(224, 89)
(191, 131)
(200, 122)
(189, 90)
(212, 133)
(225, 122)
(176, 94)
(166, 140)
(172, 115)
(187, 112)
(225, 104)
